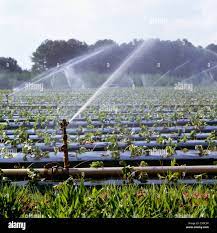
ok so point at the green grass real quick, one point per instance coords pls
(128, 201)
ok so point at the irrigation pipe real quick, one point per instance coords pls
(111, 171)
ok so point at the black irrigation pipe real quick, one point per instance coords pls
(65, 104)
(19, 119)
(126, 112)
(135, 112)
(119, 182)
(120, 107)
(107, 123)
(84, 159)
(135, 130)
(121, 145)
(120, 110)
(57, 138)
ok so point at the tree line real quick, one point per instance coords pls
(179, 58)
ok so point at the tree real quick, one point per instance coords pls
(9, 65)
(178, 58)
(101, 43)
(104, 62)
(212, 47)
(50, 53)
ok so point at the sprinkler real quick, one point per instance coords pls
(64, 147)
(6, 101)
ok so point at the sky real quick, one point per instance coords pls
(25, 24)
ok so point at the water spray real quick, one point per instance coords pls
(60, 68)
(164, 75)
(118, 72)
(203, 71)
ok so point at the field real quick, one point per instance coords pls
(134, 131)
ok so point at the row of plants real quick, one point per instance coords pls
(67, 200)
(164, 107)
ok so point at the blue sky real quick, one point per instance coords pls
(24, 24)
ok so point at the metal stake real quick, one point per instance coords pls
(64, 148)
